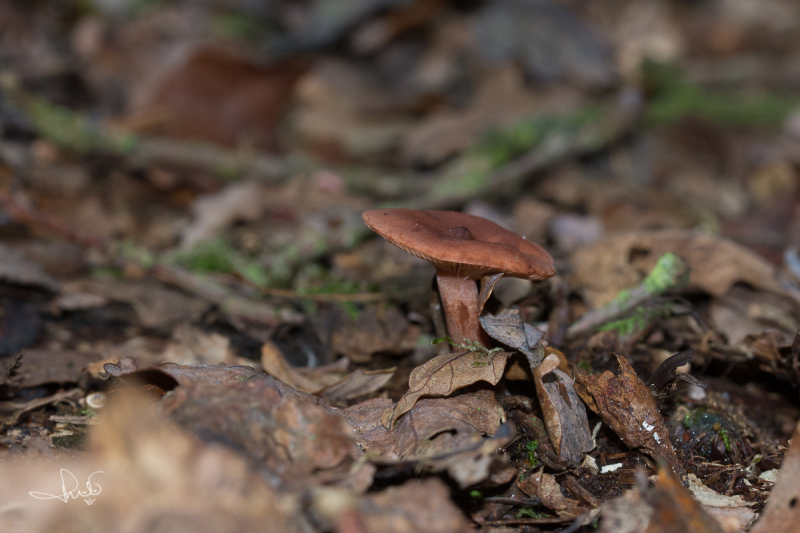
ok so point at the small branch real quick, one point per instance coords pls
(229, 302)
(76, 420)
(670, 272)
(19, 409)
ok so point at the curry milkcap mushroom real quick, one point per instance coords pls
(463, 248)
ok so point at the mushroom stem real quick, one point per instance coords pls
(460, 304)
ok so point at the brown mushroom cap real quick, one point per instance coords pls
(461, 244)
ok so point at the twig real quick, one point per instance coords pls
(514, 501)
(230, 303)
(208, 289)
(670, 272)
(343, 297)
(20, 409)
(76, 420)
(171, 152)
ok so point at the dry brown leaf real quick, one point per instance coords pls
(674, 509)
(222, 96)
(545, 487)
(626, 404)
(148, 474)
(53, 366)
(276, 365)
(452, 422)
(606, 267)
(333, 385)
(191, 346)
(357, 384)
(564, 413)
(732, 512)
(444, 374)
(422, 506)
(782, 512)
(294, 434)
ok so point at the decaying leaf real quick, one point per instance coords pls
(192, 346)
(423, 506)
(440, 434)
(17, 270)
(610, 265)
(336, 385)
(292, 433)
(547, 489)
(357, 384)
(782, 512)
(732, 512)
(442, 375)
(674, 509)
(177, 482)
(508, 328)
(666, 508)
(458, 421)
(626, 404)
(564, 413)
(39, 367)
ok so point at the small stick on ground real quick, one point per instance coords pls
(670, 272)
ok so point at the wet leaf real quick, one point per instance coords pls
(626, 404)
(443, 375)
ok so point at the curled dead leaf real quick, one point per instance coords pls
(442, 375)
(626, 404)
(564, 413)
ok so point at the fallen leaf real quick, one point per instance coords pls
(175, 480)
(626, 404)
(458, 421)
(443, 375)
(334, 386)
(547, 489)
(732, 512)
(612, 264)
(782, 511)
(564, 413)
(508, 328)
(16, 270)
(20, 326)
(156, 306)
(191, 346)
(39, 367)
(223, 96)
(357, 384)
(674, 509)
(419, 505)
(239, 201)
(548, 39)
(296, 436)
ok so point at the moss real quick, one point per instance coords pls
(665, 274)
(529, 512)
(531, 447)
(502, 145)
(217, 255)
(638, 321)
(72, 130)
(675, 97)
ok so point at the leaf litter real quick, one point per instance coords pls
(191, 305)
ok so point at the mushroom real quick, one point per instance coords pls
(463, 248)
